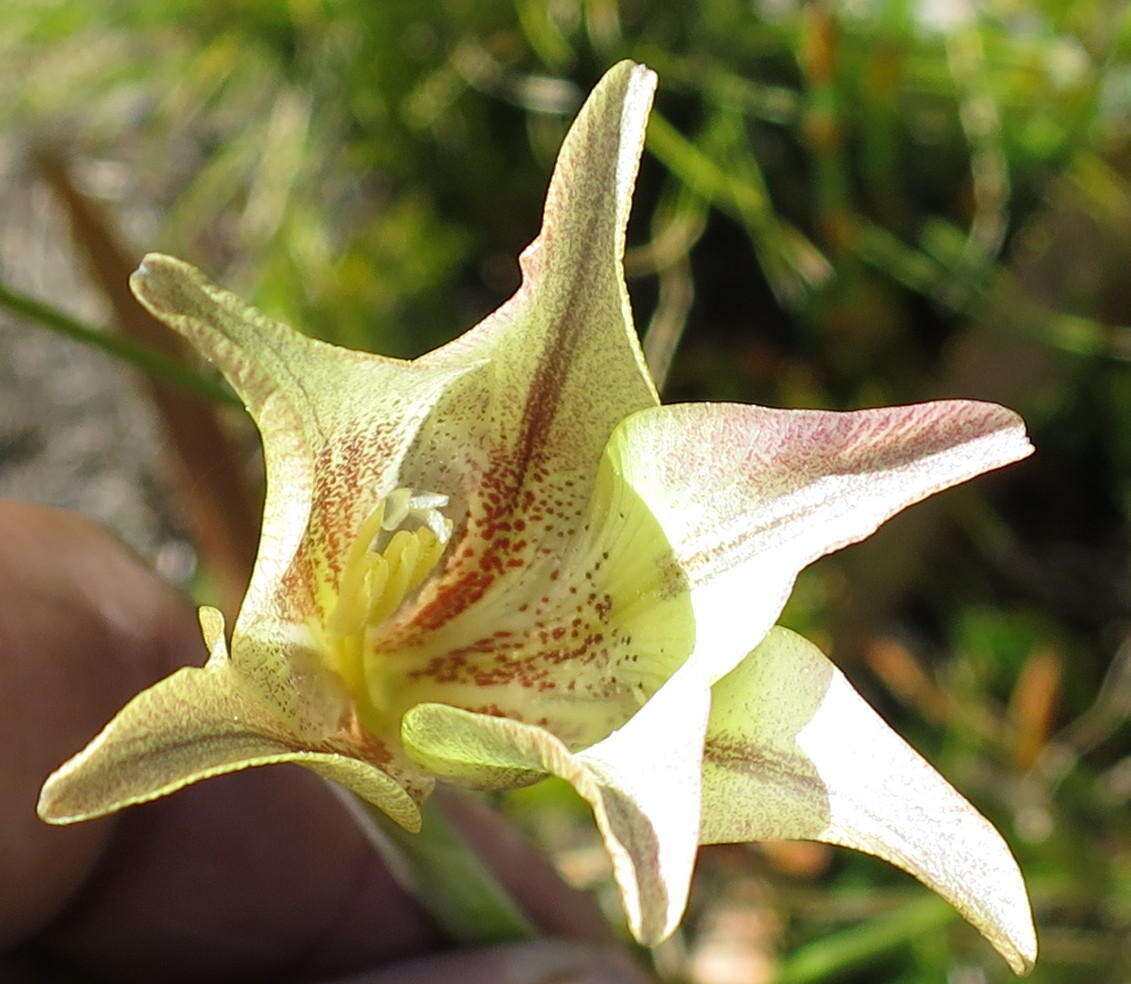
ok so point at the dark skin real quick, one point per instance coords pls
(251, 877)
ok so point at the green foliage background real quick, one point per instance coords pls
(842, 205)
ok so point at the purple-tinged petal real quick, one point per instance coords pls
(747, 496)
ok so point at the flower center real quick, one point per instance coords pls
(395, 550)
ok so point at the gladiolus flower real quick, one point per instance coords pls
(506, 560)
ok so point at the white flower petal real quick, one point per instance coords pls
(794, 752)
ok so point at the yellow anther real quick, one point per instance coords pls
(349, 614)
(430, 550)
(402, 540)
(378, 575)
(380, 570)
(401, 554)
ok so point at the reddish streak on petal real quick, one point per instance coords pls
(343, 493)
(515, 488)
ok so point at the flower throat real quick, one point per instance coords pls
(396, 548)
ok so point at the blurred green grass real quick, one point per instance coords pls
(842, 205)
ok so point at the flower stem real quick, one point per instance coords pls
(443, 872)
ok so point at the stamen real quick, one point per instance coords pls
(431, 546)
(401, 553)
(379, 572)
(349, 614)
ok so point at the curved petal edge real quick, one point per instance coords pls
(794, 752)
(642, 783)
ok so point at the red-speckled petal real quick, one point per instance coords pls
(579, 643)
(701, 518)
(335, 425)
(517, 444)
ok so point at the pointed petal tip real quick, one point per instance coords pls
(644, 840)
(643, 78)
(1015, 937)
(49, 809)
(1002, 913)
(212, 629)
(57, 801)
(651, 929)
(159, 280)
(1022, 962)
(1013, 424)
(155, 265)
(636, 73)
(639, 84)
